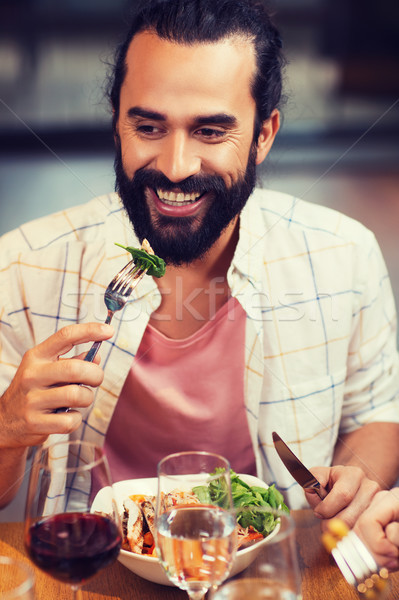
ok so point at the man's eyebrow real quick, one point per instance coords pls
(211, 119)
(217, 119)
(137, 111)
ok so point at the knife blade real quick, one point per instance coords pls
(297, 469)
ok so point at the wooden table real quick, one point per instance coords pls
(321, 578)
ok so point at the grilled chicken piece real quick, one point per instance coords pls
(148, 508)
(133, 520)
(146, 246)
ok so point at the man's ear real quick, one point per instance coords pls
(267, 134)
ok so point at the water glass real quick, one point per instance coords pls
(17, 580)
(195, 520)
(273, 573)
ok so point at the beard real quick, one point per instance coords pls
(181, 240)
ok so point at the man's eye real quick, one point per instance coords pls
(210, 133)
(148, 130)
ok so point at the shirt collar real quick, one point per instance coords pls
(248, 256)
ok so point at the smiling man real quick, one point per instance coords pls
(186, 132)
(273, 314)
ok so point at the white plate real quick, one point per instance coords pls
(149, 567)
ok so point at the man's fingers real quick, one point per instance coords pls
(350, 493)
(42, 418)
(40, 425)
(49, 375)
(64, 371)
(66, 338)
(392, 533)
(359, 502)
(378, 528)
(344, 483)
(44, 403)
(73, 396)
(351, 512)
(322, 474)
(96, 360)
(312, 498)
(65, 422)
(385, 506)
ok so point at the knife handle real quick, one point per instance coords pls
(318, 489)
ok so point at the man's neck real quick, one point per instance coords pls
(191, 294)
(215, 263)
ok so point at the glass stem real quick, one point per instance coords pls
(77, 592)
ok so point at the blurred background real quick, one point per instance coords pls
(338, 146)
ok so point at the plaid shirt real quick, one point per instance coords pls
(320, 341)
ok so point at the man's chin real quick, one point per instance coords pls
(178, 240)
(176, 249)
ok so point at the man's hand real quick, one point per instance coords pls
(378, 527)
(44, 382)
(350, 493)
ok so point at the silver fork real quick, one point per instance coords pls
(115, 297)
(358, 566)
(117, 294)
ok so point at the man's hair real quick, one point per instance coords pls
(201, 21)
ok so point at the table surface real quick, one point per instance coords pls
(321, 579)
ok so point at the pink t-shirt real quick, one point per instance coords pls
(184, 395)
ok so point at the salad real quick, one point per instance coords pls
(245, 496)
(139, 511)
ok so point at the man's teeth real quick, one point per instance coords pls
(177, 197)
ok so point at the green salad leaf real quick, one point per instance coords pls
(215, 492)
(245, 496)
(154, 264)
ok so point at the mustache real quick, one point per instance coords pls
(195, 183)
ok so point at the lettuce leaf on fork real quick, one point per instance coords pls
(154, 264)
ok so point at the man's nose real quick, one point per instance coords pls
(176, 159)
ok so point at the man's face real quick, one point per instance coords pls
(185, 159)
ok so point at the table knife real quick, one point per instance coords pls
(297, 469)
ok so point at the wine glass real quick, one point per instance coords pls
(195, 521)
(17, 580)
(64, 536)
(273, 574)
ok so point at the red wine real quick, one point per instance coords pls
(72, 547)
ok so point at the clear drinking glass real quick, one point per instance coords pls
(63, 536)
(195, 520)
(17, 580)
(273, 573)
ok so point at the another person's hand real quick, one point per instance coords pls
(350, 493)
(378, 527)
(45, 382)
